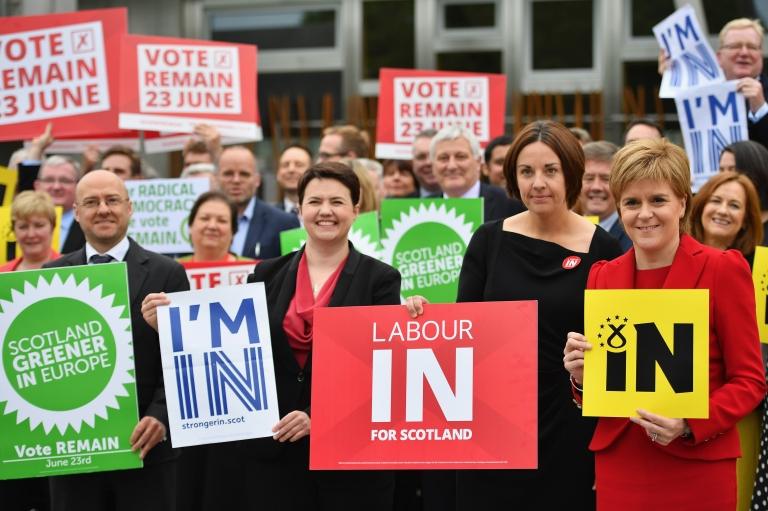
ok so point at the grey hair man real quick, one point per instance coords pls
(456, 161)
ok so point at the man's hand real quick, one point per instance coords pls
(40, 143)
(211, 137)
(147, 434)
(752, 90)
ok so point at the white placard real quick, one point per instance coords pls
(160, 211)
(711, 118)
(217, 364)
(692, 63)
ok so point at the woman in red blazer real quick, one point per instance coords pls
(651, 461)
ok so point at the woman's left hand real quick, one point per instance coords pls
(661, 430)
(294, 426)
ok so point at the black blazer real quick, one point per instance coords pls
(617, 231)
(75, 238)
(758, 131)
(148, 272)
(496, 203)
(363, 281)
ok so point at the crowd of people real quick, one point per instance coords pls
(626, 214)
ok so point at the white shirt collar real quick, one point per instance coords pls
(472, 193)
(117, 252)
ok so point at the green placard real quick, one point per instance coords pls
(364, 235)
(67, 384)
(425, 239)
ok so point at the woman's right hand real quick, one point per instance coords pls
(415, 305)
(573, 360)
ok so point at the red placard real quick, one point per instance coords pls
(170, 84)
(154, 142)
(226, 273)
(454, 389)
(412, 100)
(60, 68)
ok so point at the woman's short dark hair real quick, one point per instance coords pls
(752, 160)
(562, 142)
(404, 167)
(331, 170)
(214, 195)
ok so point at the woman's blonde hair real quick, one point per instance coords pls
(30, 203)
(369, 200)
(751, 233)
(655, 160)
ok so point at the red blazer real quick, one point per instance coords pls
(736, 374)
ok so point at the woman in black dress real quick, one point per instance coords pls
(542, 254)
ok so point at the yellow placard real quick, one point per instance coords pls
(593, 218)
(650, 350)
(8, 179)
(7, 239)
(760, 280)
(57, 229)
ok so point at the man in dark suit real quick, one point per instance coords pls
(103, 210)
(258, 223)
(596, 199)
(456, 162)
(741, 56)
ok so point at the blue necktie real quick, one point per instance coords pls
(101, 259)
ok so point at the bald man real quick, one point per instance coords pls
(103, 209)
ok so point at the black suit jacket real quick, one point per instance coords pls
(75, 238)
(148, 272)
(617, 231)
(758, 131)
(363, 281)
(264, 230)
(496, 204)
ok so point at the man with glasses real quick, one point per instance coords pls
(741, 57)
(342, 143)
(58, 177)
(103, 209)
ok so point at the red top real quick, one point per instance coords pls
(651, 279)
(298, 320)
(13, 265)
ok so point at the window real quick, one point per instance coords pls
(477, 61)
(562, 35)
(285, 29)
(313, 86)
(647, 13)
(387, 44)
(469, 15)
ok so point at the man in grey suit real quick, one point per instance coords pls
(596, 199)
(103, 209)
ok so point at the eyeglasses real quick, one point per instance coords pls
(60, 180)
(93, 202)
(739, 46)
